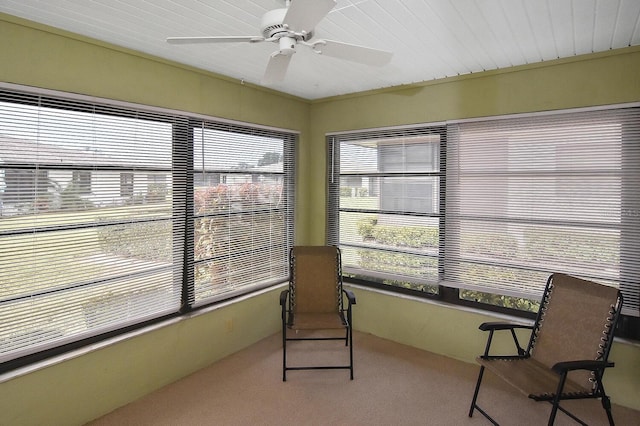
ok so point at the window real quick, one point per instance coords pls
(102, 228)
(540, 194)
(126, 185)
(486, 216)
(22, 185)
(385, 205)
(81, 181)
(242, 209)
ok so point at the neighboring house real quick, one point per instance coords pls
(394, 171)
(37, 177)
(267, 174)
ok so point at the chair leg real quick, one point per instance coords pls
(284, 352)
(350, 341)
(554, 411)
(475, 393)
(604, 399)
(556, 399)
(606, 404)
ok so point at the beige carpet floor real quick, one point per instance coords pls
(394, 385)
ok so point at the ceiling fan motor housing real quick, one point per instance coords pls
(272, 26)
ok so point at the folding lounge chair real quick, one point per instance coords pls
(315, 301)
(568, 349)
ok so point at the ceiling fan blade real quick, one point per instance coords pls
(304, 15)
(276, 68)
(212, 39)
(352, 52)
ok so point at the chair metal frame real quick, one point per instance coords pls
(560, 371)
(344, 314)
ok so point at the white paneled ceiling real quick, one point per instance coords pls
(430, 39)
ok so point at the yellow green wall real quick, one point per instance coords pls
(36, 55)
(76, 390)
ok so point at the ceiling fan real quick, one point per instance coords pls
(291, 26)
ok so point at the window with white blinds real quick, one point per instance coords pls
(510, 201)
(112, 216)
(385, 208)
(243, 188)
(540, 194)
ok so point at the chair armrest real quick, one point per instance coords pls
(487, 326)
(585, 364)
(491, 327)
(351, 296)
(283, 297)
